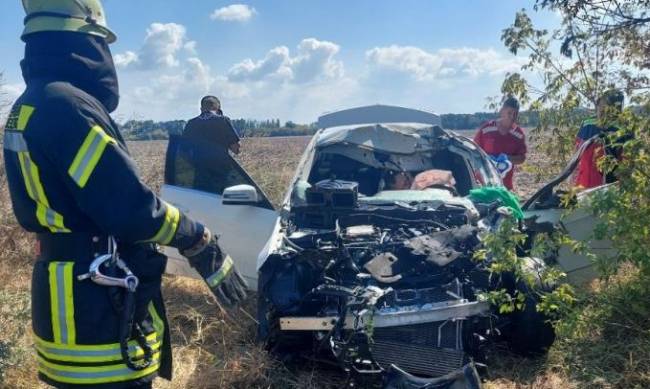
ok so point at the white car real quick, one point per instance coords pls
(376, 277)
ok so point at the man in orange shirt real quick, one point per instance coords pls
(503, 138)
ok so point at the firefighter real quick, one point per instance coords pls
(588, 173)
(74, 184)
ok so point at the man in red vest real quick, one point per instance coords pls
(503, 138)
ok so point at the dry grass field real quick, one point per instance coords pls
(216, 350)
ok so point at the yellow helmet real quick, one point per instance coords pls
(84, 16)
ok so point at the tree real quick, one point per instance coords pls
(4, 102)
(600, 45)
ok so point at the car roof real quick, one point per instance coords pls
(385, 128)
(378, 113)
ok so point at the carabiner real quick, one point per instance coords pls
(130, 281)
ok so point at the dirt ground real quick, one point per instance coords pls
(211, 349)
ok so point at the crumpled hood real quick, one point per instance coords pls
(83, 60)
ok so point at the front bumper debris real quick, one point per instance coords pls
(465, 378)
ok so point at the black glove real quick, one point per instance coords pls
(217, 269)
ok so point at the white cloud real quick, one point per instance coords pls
(302, 82)
(190, 47)
(275, 64)
(234, 13)
(125, 59)
(175, 95)
(314, 61)
(193, 79)
(161, 46)
(444, 63)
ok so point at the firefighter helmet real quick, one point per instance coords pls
(83, 16)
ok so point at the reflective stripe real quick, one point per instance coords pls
(54, 302)
(158, 323)
(94, 374)
(217, 277)
(14, 141)
(68, 363)
(25, 114)
(69, 303)
(61, 302)
(82, 353)
(96, 355)
(169, 226)
(88, 155)
(46, 216)
(25, 167)
(87, 347)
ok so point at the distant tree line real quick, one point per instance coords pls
(471, 121)
(271, 127)
(151, 130)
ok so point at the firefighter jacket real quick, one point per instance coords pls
(74, 184)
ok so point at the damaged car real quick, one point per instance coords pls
(368, 263)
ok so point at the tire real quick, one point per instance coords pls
(530, 333)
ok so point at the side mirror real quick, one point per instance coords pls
(240, 195)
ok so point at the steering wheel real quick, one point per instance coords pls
(443, 186)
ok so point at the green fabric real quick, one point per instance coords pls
(489, 194)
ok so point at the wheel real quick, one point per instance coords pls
(530, 332)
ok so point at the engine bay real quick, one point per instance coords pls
(377, 287)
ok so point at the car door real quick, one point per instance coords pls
(579, 225)
(196, 175)
(544, 208)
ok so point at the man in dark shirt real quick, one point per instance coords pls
(212, 126)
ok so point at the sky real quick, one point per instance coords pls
(295, 60)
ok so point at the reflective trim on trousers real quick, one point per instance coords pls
(94, 374)
(93, 353)
(158, 323)
(62, 302)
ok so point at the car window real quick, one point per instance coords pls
(205, 167)
(483, 174)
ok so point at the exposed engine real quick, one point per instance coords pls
(377, 286)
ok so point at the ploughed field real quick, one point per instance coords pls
(213, 349)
